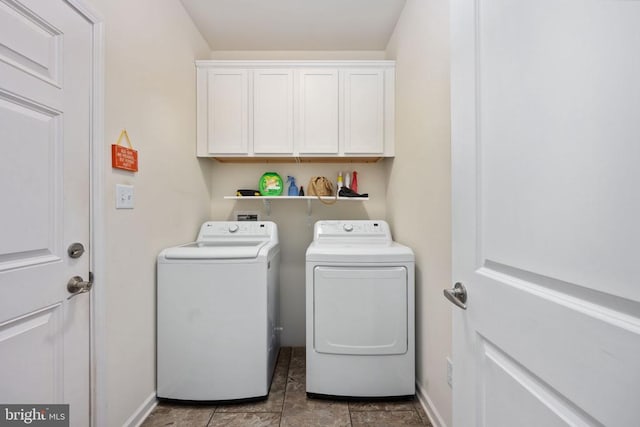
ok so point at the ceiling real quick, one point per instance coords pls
(295, 24)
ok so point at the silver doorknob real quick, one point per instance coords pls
(457, 295)
(76, 285)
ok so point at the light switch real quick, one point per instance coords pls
(124, 196)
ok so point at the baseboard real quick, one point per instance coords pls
(429, 408)
(143, 411)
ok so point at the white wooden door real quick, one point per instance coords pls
(273, 111)
(45, 81)
(228, 111)
(546, 210)
(364, 111)
(318, 111)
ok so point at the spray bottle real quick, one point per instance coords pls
(293, 189)
(354, 181)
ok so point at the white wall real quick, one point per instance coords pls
(150, 91)
(294, 226)
(419, 195)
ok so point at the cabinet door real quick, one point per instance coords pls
(318, 111)
(228, 113)
(363, 111)
(273, 111)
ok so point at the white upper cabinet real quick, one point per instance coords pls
(273, 111)
(363, 111)
(318, 111)
(228, 113)
(322, 109)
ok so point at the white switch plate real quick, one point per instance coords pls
(124, 196)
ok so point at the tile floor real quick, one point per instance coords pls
(288, 405)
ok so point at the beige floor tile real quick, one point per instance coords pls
(272, 404)
(295, 402)
(400, 405)
(298, 352)
(283, 366)
(279, 381)
(179, 416)
(284, 357)
(422, 413)
(245, 419)
(283, 363)
(386, 419)
(297, 375)
(328, 416)
(297, 365)
(296, 386)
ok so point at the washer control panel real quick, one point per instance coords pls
(233, 229)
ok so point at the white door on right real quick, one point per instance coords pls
(546, 212)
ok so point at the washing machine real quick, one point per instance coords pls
(217, 313)
(359, 312)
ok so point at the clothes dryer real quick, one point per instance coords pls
(360, 330)
(217, 313)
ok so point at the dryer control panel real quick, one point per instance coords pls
(368, 230)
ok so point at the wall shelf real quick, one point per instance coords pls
(267, 200)
(291, 159)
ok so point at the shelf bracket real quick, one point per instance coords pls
(309, 207)
(267, 206)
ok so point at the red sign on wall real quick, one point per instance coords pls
(123, 157)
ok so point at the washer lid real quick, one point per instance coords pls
(346, 253)
(227, 240)
(216, 250)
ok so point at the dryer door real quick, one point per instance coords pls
(360, 310)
